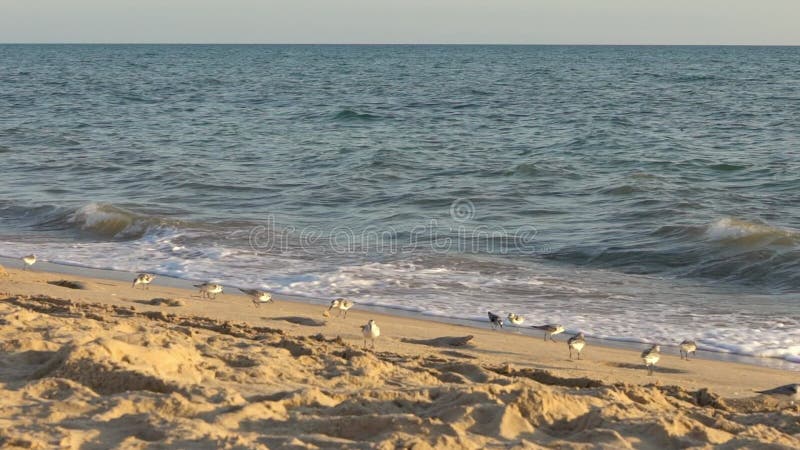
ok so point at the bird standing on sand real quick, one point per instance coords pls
(651, 357)
(688, 346)
(258, 297)
(550, 330)
(342, 305)
(515, 319)
(370, 331)
(28, 261)
(577, 343)
(495, 320)
(209, 290)
(144, 279)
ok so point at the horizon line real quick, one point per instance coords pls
(408, 44)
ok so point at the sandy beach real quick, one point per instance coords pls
(94, 363)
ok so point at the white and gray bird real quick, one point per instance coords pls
(28, 261)
(144, 279)
(688, 346)
(209, 289)
(515, 319)
(370, 331)
(576, 343)
(550, 330)
(651, 357)
(495, 320)
(343, 305)
(257, 296)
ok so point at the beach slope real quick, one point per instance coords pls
(94, 363)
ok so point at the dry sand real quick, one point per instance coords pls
(94, 363)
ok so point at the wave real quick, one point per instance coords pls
(106, 220)
(727, 167)
(742, 232)
(349, 115)
(93, 220)
(727, 249)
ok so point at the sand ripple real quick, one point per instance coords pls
(96, 376)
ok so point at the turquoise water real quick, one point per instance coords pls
(634, 193)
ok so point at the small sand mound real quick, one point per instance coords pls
(166, 301)
(109, 366)
(69, 284)
(445, 341)
(3, 272)
(307, 321)
(545, 377)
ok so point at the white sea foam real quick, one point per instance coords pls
(728, 228)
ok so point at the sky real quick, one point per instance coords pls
(703, 22)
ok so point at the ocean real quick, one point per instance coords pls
(639, 194)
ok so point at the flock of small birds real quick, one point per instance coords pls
(371, 331)
(576, 343)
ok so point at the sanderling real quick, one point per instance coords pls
(651, 357)
(258, 297)
(144, 279)
(28, 261)
(495, 320)
(550, 330)
(515, 319)
(342, 305)
(370, 331)
(209, 290)
(688, 346)
(576, 342)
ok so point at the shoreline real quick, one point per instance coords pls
(88, 362)
(525, 330)
(607, 364)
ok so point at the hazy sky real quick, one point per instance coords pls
(404, 21)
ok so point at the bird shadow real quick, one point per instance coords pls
(297, 320)
(642, 366)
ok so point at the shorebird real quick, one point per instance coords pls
(209, 290)
(515, 319)
(550, 330)
(576, 342)
(258, 297)
(688, 346)
(144, 279)
(651, 357)
(28, 261)
(370, 331)
(342, 305)
(495, 320)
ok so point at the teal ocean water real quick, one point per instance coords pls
(635, 193)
